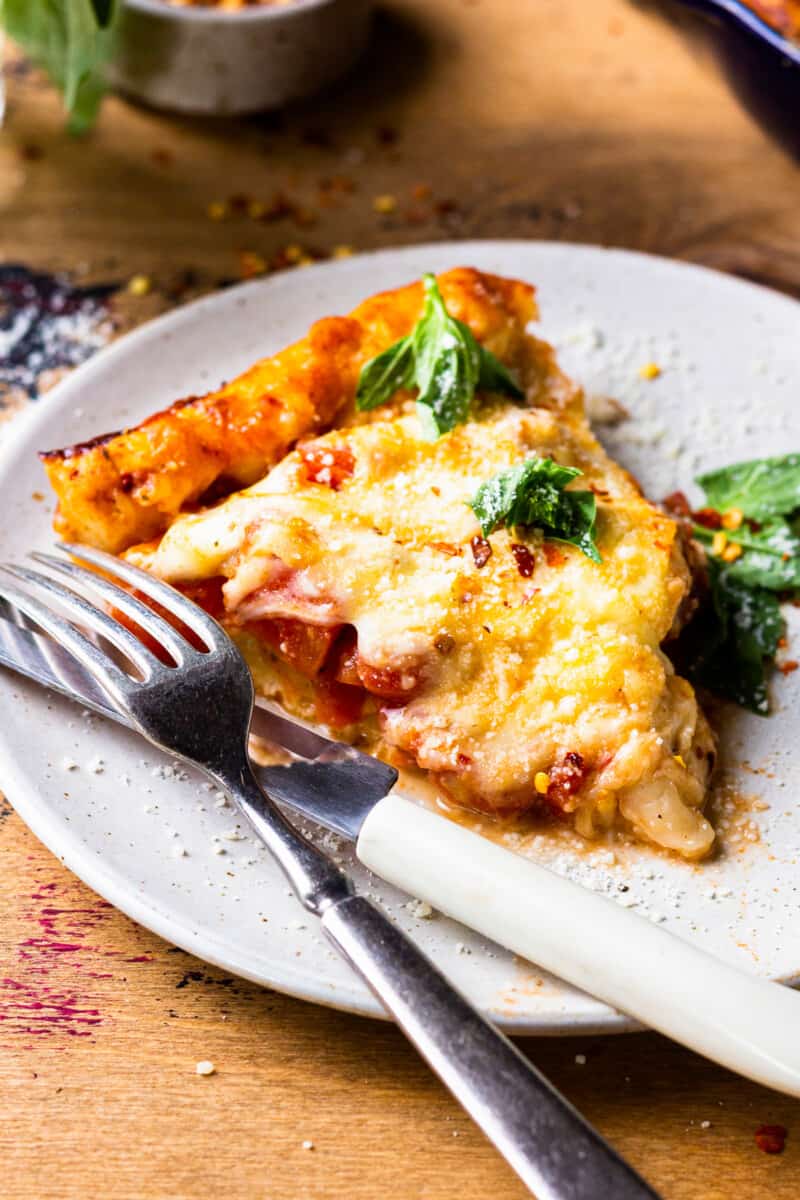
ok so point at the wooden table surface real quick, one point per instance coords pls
(555, 119)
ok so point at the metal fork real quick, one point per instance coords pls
(200, 709)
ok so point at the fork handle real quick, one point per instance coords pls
(547, 1142)
(550, 1146)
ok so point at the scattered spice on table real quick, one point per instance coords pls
(771, 1138)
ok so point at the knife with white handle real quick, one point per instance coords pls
(745, 1023)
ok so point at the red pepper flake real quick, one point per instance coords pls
(415, 216)
(277, 209)
(304, 218)
(481, 550)
(553, 556)
(525, 560)
(771, 1138)
(787, 667)
(677, 504)
(709, 518)
(421, 191)
(294, 255)
(566, 778)
(238, 203)
(251, 265)
(328, 465)
(446, 548)
(181, 283)
(333, 189)
(343, 183)
(446, 208)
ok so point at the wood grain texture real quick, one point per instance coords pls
(559, 119)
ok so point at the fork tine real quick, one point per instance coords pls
(98, 664)
(83, 612)
(171, 599)
(146, 618)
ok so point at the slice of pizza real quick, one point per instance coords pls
(454, 573)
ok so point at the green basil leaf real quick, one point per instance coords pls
(771, 554)
(428, 425)
(495, 499)
(583, 513)
(727, 647)
(446, 376)
(386, 374)
(495, 377)
(532, 494)
(761, 488)
(447, 360)
(71, 40)
(443, 360)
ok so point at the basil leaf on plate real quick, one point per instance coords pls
(751, 556)
(761, 488)
(447, 361)
(441, 358)
(532, 493)
(731, 643)
(495, 377)
(386, 374)
(770, 554)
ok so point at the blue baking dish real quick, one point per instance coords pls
(762, 67)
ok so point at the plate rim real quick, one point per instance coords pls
(87, 865)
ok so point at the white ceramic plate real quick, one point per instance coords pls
(728, 389)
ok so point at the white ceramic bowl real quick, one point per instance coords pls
(211, 60)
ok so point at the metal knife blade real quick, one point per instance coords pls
(332, 783)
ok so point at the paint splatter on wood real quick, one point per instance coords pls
(44, 1011)
(64, 952)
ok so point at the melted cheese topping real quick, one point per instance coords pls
(506, 675)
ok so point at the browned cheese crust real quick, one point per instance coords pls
(128, 487)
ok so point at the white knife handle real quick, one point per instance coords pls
(747, 1024)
